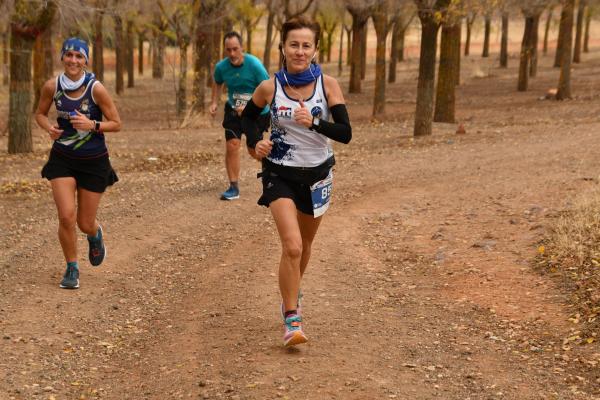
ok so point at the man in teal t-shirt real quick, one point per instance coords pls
(241, 73)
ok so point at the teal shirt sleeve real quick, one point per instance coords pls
(217, 75)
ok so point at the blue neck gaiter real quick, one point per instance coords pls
(300, 79)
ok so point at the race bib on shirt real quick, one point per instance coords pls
(320, 193)
(241, 99)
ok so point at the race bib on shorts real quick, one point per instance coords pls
(241, 99)
(320, 193)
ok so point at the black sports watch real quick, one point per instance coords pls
(97, 126)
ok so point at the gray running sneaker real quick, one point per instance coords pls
(70, 279)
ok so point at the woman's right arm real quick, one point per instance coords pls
(41, 114)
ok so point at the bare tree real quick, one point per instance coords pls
(383, 15)
(360, 15)
(449, 66)
(564, 84)
(402, 20)
(98, 45)
(581, 9)
(532, 9)
(28, 19)
(428, 11)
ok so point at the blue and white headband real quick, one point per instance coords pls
(75, 44)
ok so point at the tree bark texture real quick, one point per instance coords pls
(504, 42)
(43, 66)
(486, 37)
(5, 58)
(19, 130)
(579, 31)
(525, 57)
(426, 80)
(533, 65)
(98, 51)
(380, 21)
(269, 38)
(394, 50)
(140, 53)
(560, 42)
(446, 87)
(158, 50)
(586, 36)
(564, 84)
(359, 21)
(130, 52)
(363, 51)
(119, 50)
(181, 101)
(203, 44)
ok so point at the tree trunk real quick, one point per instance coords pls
(446, 87)
(158, 51)
(141, 53)
(394, 50)
(486, 37)
(586, 36)
(504, 41)
(203, 44)
(560, 42)
(564, 83)
(579, 31)
(341, 52)
(349, 47)
(98, 56)
(469, 21)
(130, 52)
(401, 42)
(525, 55)
(43, 66)
(426, 81)
(457, 53)
(363, 51)
(533, 66)
(5, 63)
(19, 125)
(381, 29)
(359, 21)
(547, 28)
(151, 45)
(181, 101)
(119, 50)
(268, 39)
(330, 44)
(249, 37)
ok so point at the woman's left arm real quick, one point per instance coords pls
(340, 129)
(109, 110)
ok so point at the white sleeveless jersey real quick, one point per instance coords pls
(294, 145)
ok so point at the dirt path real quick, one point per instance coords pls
(420, 286)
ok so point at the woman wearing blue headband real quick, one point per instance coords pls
(298, 158)
(78, 168)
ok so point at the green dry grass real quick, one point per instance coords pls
(572, 253)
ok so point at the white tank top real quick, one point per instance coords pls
(295, 145)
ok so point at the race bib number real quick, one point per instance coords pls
(321, 193)
(241, 99)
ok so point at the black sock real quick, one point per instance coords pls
(291, 312)
(234, 184)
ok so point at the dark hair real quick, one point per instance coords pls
(300, 23)
(232, 34)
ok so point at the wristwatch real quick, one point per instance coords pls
(97, 126)
(315, 123)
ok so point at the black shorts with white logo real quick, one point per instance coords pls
(291, 183)
(232, 123)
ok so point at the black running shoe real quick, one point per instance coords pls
(70, 279)
(97, 252)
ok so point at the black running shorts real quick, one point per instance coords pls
(94, 174)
